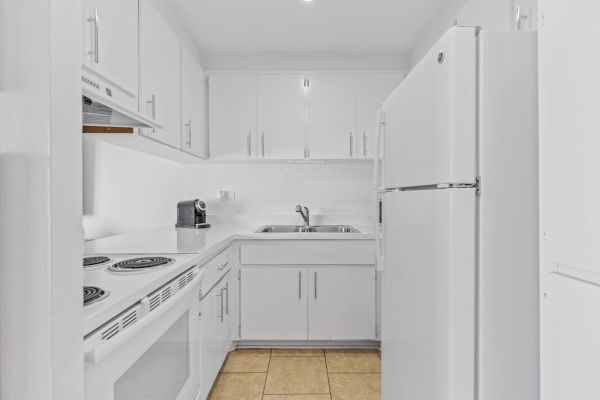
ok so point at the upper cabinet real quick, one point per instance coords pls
(232, 116)
(194, 106)
(295, 116)
(332, 116)
(160, 57)
(110, 41)
(282, 111)
(371, 91)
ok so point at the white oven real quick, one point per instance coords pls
(149, 351)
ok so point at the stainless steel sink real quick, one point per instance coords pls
(308, 229)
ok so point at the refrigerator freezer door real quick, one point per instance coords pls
(430, 119)
(428, 295)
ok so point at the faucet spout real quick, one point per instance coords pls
(305, 213)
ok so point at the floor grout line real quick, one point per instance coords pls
(267, 374)
(327, 372)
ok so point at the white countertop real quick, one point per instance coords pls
(186, 246)
(207, 242)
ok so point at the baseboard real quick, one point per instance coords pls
(307, 344)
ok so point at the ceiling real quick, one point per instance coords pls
(267, 26)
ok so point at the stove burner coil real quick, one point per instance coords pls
(140, 264)
(93, 261)
(92, 294)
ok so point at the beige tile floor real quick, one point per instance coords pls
(265, 374)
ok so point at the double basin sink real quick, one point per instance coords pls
(308, 229)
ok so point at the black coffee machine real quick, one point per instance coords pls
(191, 214)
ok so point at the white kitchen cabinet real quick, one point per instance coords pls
(341, 303)
(282, 116)
(215, 333)
(273, 303)
(194, 106)
(371, 91)
(232, 116)
(110, 41)
(332, 131)
(160, 57)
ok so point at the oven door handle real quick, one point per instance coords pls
(99, 353)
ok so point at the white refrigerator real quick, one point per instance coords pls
(458, 224)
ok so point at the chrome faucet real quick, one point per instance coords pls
(305, 214)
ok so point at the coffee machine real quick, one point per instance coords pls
(191, 214)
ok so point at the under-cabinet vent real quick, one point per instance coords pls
(140, 309)
(166, 293)
(169, 290)
(154, 302)
(119, 324)
(111, 331)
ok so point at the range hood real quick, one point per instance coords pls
(101, 109)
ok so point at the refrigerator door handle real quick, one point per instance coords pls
(435, 186)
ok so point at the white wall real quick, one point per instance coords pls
(570, 203)
(41, 342)
(268, 193)
(323, 61)
(125, 190)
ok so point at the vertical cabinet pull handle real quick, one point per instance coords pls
(220, 294)
(227, 299)
(315, 285)
(188, 127)
(249, 143)
(96, 20)
(153, 103)
(262, 144)
(351, 146)
(300, 285)
(364, 144)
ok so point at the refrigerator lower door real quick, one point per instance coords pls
(428, 295)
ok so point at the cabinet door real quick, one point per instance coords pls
(160, 57)
(332, 116)
(211, 329)
(110, 41)
(227, 325)
(273, 301)
(194, 97)
(232, 116)
(282, 116)
(371, 91)
(341, 303)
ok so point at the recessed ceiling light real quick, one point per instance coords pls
(308, 1)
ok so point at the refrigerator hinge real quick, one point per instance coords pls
(239, 331)
(478, 185)
(239, 275)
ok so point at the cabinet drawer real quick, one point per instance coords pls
(215, 269)
(328, 253)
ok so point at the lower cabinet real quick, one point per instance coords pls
(302, 303)
(273, 303)
(341, 303)
(215, 333)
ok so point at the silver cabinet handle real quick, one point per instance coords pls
(315, 285)
(188, 127)
(227, 299)
(220, 294)
(300, 285)
(222, 266)
(153, 102)
(262, 144)
(351, 146)
(364, 144)
(96, 20)
(249, 142)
